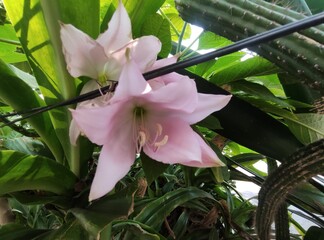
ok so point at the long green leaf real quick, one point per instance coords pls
(20, 172)
(155, 212)
(37, 25)
(16, 93)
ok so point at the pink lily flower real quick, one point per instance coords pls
(153, 116)
(102, 59)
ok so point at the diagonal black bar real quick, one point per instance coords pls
(245, 43)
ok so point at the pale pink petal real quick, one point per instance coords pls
(207, 104)
(119, 31)
(74, 132)
(208, 156)
(177, 92)
(144, 51)
(163, 62)
(131, 83)
(182, 145)
(115, 160)
(83, 55)
(97, 123)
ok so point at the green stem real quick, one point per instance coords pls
(181, 36)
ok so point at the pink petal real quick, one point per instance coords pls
(182, 145)
(119, 31)
(144, 51)
(83, 55)
(115, 160)
(208, 156)
(207, 104)
(74, 132)
(163, 62)
(97, 123)
(177, 92)
(131, 83)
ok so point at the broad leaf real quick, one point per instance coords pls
(9, 45)
(69, 230)
(209, 40)
(102, 212)
(307, 127)
(152, 169)
(159, 27)
(20, 172)
(259, 91)
(240, 70)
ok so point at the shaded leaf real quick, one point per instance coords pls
(307, 127)
(16, 93)
(154, 213)
(152, 168)
(20, 172)
(314, 233)
(102, 212)
(259, 91)
(15, 231)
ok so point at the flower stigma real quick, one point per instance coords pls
(141, 133)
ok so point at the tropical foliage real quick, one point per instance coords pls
(270, 133)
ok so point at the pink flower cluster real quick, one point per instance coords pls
(151, 116)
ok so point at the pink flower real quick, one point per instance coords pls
(153, 116)
(102, 59)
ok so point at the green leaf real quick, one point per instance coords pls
(16, 93)
(259, 91)
(308, 127)
(177, 24)
(152, 168)
(15, 231)
(20, 172)
(314, 233)
(102, 212)
(139, 229)
(9, 45)
(138, 11)
(154, 213)
(158, 26)
(240, 70)
(37, 25)
(209, 40)
(315, 6)
(69, 230)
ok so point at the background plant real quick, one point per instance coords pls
(46, 180)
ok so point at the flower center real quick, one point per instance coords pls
(143, 136)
